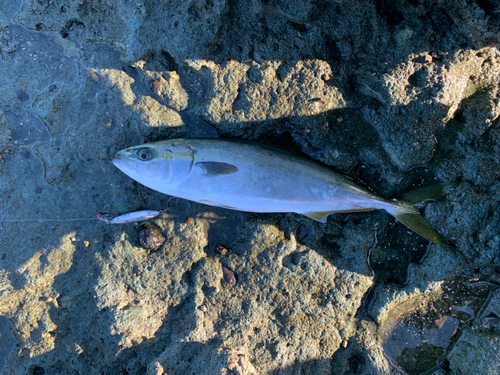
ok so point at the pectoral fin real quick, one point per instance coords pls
(318, 215)
(213, 168)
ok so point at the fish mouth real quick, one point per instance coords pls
(125, 161)
(120, 160)
(117, 159)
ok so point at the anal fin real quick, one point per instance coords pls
(320, 216)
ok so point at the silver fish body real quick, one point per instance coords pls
(249, 176)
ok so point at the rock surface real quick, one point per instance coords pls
(397, 94)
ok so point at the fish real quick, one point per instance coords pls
(254, 177)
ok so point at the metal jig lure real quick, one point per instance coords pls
(131, 217)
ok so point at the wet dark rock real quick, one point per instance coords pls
(36, 370)
(150, 237)
(304, 232)
(445, 365)
(23, 96)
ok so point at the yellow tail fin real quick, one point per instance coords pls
(421, 226)
(407, 212)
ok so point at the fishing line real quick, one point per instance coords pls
(130, 217)
(14, 220)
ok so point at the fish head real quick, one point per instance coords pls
(158, 165)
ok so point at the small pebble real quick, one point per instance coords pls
(340, 119)
(436, 55)
(428, 59)
(150, 237)
(86, 243)
(220, 250)
(229, 276)
(344, 343)
(158, 369)
(8, 152)
(203, 308)
(155, 87)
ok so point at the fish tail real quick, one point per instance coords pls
(407, 210)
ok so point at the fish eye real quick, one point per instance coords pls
(144, 154)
